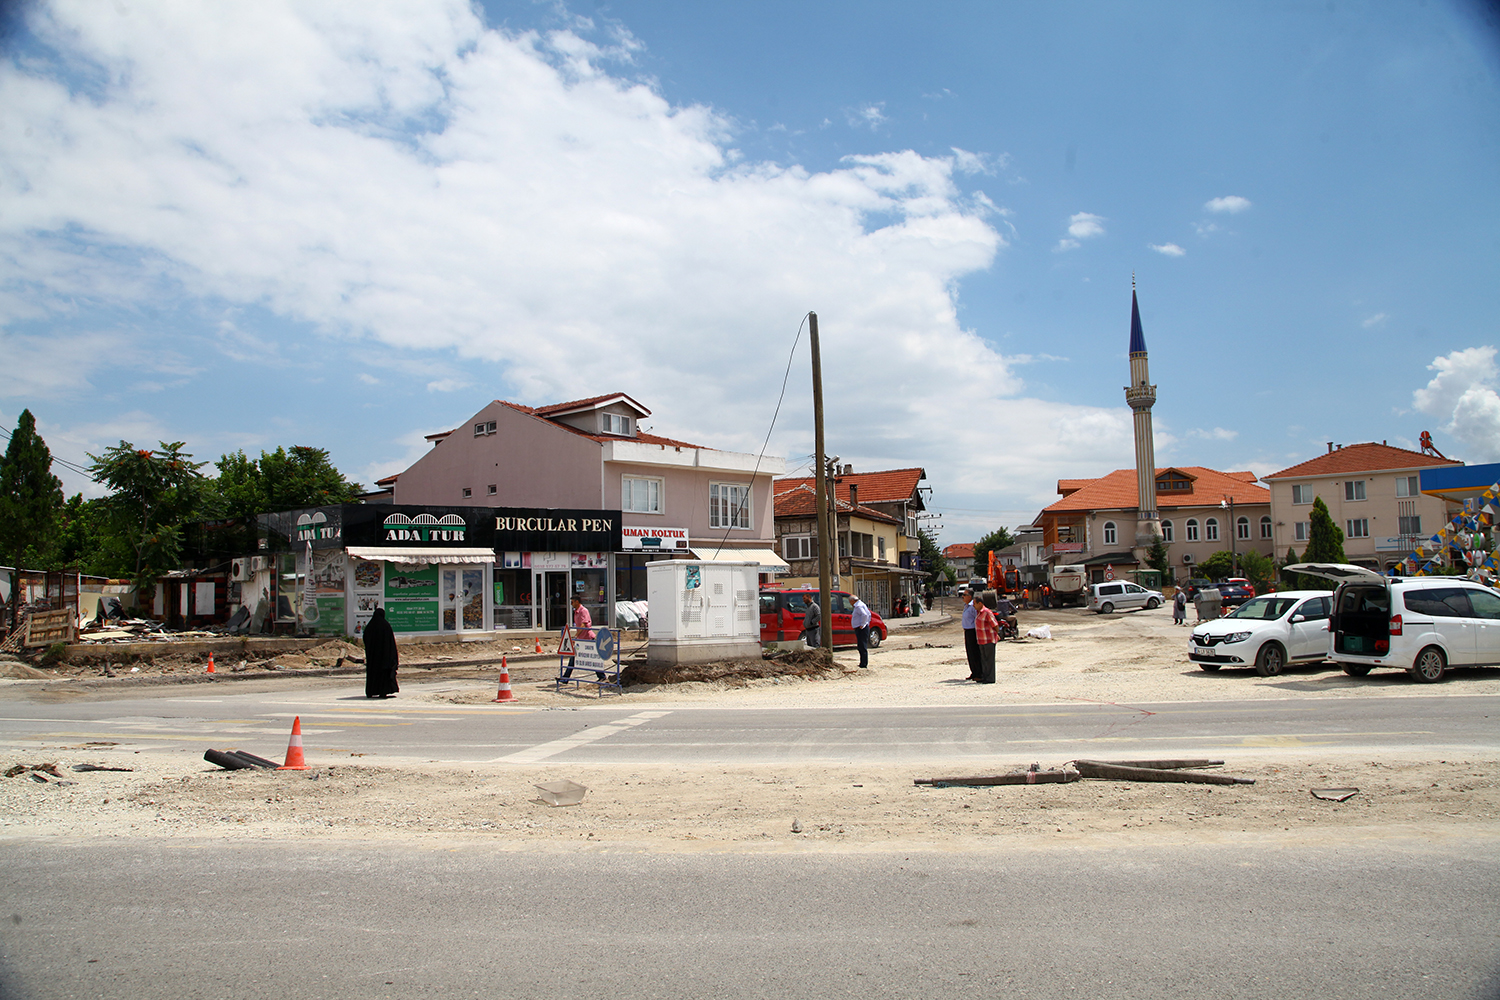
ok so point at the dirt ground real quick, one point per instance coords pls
(1126, 659)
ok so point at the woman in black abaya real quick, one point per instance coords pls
(380, 657)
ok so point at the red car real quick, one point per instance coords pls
(781, 614)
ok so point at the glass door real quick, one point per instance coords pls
(462, 595)
(555, 593)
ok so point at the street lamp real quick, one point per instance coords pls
(1234, 533)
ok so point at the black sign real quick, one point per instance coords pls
(555, 529)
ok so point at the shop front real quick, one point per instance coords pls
(639, 547)
(546, 556)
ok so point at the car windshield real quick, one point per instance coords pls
(1263, 608)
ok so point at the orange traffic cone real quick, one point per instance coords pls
(539, 644)
(294, 759)
(504, 694)
(210, 669)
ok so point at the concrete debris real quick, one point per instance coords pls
(1334, 794)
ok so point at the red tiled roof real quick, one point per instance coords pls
(874, 487)
(642, 437)
(802, 501)
(961, 550)
(581, 404)
(1117, 491)
(1369, 457)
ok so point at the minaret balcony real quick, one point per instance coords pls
(1140, 397)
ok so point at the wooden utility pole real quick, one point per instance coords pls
(825, 533)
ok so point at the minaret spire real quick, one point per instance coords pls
(1141, 395)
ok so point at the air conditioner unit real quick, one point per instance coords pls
(239, 570)
(1187, 557)
(259, 564)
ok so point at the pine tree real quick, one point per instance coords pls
(30, 497)
(1325, 544)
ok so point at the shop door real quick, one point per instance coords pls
(554, 590)
(463, 599)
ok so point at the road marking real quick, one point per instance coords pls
(1243, 738)
(544, 750)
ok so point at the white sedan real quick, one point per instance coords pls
(1268, 631)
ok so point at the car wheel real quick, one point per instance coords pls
(1212, 668)
(1152, 604)
(1356, 669)
(1106, 608)
(1271, 659)
(1429, 665)
(874, 641)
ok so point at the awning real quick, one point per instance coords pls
(416, 555)
(766, 557)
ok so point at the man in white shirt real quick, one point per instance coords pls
(859, 618)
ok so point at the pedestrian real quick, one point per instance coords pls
(381, 657)
(971, 644)
(583, 628)
(986, 635)
(1046, 595)
(812, 624)
(1179, 607)
(860, 619)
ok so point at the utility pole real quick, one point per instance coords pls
(825, 534)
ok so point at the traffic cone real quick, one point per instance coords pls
(504, 693)
(210, 669)
(539, 644)
(294, 759)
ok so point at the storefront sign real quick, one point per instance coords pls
(424, 528)
(318, 525)
(633, 536)
(542, 529)
(412, 616)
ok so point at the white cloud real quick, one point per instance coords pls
(1214, 434)
(871, 116)
(1167, 249)
(1374, 320)
(1064, 245)
(1233, 204)
(1463, 392)
(425, 194)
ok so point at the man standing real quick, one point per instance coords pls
(812, 624)
(583, 628)
(987, 633)
(971, 645)
(860, 619)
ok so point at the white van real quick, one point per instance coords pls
(1107, 598)
(1421, 624)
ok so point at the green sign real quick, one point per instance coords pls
(330, 616)
(404, 584)
(412, 616)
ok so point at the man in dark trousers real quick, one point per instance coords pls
(812, 624)
(971, 644)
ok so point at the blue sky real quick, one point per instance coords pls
(347, 227)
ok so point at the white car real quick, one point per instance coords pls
(1268, 631)
(1421, 624)
(1107, 598)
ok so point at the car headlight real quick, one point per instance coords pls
(1237, 637)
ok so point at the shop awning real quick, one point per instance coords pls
(768, 559)
(418, 555)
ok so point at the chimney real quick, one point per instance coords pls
(853, 494)
(1330, 447)
(848, 470)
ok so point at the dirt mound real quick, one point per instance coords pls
(335, 649)
(809, 665)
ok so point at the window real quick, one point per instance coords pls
(799, 547)
(1166, 531)
(468, 492)
(1354, 489)
(493, 489)
(1110, 534)
(1357, 527)
(1484, 604)
(1315, 609)
(1406, 486)
(1242, 528)
(728, 505)
(1301, 530)
(1192, 529)
(1265, 527)
(1211, 530)
(615, 423)
(484, 427)
(640, 495)
(1302, 493)
(860, 545)
(1409, 525)
(880, 547)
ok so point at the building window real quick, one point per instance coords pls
(1410, 524)
(615, 423)
(484, 427)
(880, 547)
(493, 489)
(1301, 530)
(799, 547)
(1192, 529)
(1302, 493)
(1211, 530)
(1265, 527)
(468, 492)
(1166, 531)
(1242, 528)
(1357, 527)
(1354, 489)
(857, 544)
(1406, 486)
(640, 495)
(1110, 534)
(728, 505)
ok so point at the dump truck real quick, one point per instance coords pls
(1069, 585)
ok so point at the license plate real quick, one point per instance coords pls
(1202, 651)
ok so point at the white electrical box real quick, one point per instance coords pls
(702, 611)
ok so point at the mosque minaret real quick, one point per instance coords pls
(1141, 395)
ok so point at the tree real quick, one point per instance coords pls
(1158, 558)
(154, 492)
(1258, 569)
(1325, 544)
(1292, 580)
(30, 496)
(284, 479)
(996, 540)
(1217, 566)
(932, 558)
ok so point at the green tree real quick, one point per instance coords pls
(1217, 566)
(283, 479)
(1258, 569)
(993, 542)
(932, 558)
(152, 494)
(1293, 581)
(1159, 559)
(78, 540)
(30, 496)
(1325, 544)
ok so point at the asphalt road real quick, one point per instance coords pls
(338, 720)
(168, 919)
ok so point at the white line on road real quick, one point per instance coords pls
(544, 750)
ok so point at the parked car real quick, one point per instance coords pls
(1422, 624)
(1107, 598)
(1195, 584)
(781, 614)
(1268, 631)
(1234, 591)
